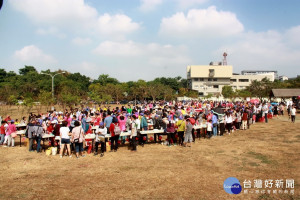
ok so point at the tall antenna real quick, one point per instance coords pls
(224, 59)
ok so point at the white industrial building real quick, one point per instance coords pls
(210, 79)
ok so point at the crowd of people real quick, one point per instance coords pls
(181, 122)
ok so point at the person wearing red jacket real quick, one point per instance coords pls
(244, 119)
(50, 130)
(2, 132)
(114, 136)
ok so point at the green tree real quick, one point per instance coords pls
(104, 79)
(116, 91)
(3, 74)
(154, 89)
(192, 94)
(167, 93)
(27, 69)
(28, 103)
(261, 88)
(98, 93)
(69, 99)
(227, 91)
(45, 98)
(243, 93)
(83, 81)
(12, 100)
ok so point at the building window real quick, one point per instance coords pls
(201, 94)
(211, 72)
(209, 86)
(233, 80)
(195, 79)
(216, 86)
(210, 79)
(243, 80)
(215, 79)
(196, 86)
(201, 79)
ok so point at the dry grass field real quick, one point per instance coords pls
(266, 151)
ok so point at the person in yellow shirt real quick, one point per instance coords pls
(183, 112)
(180, 124)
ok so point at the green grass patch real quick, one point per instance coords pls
(253, 164)
(288, 141)
(220, 151)
(265, 196)
(289, 197)
(261, 157)
(240, 169)
(298, 137)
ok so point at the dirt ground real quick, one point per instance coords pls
(265, 151)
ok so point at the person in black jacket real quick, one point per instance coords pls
(157, 123)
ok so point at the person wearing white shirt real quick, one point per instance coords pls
(133, 135)
(265, 111)
(65, 138)
(138, 123)
(228, 121)
(293, 113)
(101, 132)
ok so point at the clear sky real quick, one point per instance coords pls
(145, 39)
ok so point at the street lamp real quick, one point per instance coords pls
(52, 76)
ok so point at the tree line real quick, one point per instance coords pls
(260, 89)
(30, 86)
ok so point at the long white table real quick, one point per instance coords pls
(20, 133)
(21, 126)
(127, 133)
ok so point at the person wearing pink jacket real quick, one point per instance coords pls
(122, 123)
(10, 129)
